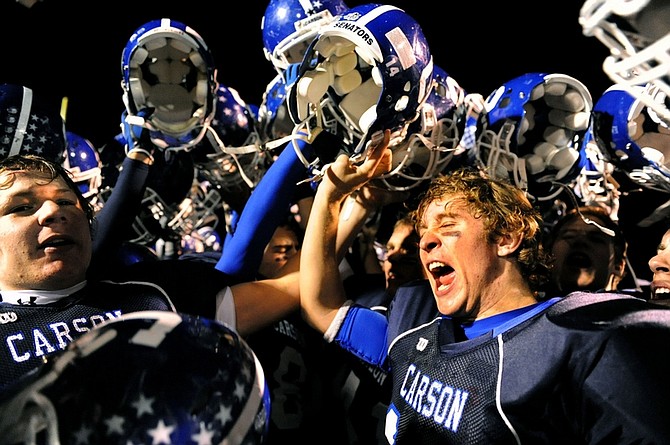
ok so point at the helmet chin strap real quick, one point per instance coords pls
(573, 198)
(216, 141)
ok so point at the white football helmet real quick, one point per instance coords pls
(637, 33)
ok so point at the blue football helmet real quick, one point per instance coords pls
(634, 140)
(531, 133)
(83, 161)
(273, 118)
(169, 83)
(432, 139)
(30, 124)
(144, 377)
(369, 70)
(637, 34)
(289, 26)
(229, 155)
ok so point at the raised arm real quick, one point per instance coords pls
(321, 290)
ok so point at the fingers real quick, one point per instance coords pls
(347, 176)
(378, 159)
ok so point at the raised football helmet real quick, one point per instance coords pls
(637, 33)
(230, 153)
(634, 140)
(169, 83)
(289, 26)
(144, 377)
(273, 118)
(367, 71)
(432, 139)
(30, 124)
(83, 161)
(531, 133)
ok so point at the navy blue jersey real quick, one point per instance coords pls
(191, 284)
(591, 368)
(29, 333)
(586, 370)
(288, 351)
(413, 305)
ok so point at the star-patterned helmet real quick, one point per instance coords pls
(30, 124)
(144, 377)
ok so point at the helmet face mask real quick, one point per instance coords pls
(432, 140)
(229, 155)
(637, 36)
(169, 78)
(632, 138)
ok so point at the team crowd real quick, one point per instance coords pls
(371, 255)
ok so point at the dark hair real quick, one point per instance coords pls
(602, 218)
(503, 208)
(51, 171)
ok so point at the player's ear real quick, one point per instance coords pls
(509, 243)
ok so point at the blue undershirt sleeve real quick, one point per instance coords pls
(266, 208)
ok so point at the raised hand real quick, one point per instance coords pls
(344, 176)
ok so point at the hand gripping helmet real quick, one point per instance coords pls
(289, 26)
(636, 142)
(229, 154)
(637, 33)
(432, 139)
(531, 132)
(169, 83)
(30, 124)
(144, 377)
(83, 161)
(369, 70)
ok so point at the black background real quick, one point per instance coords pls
(73, 48)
